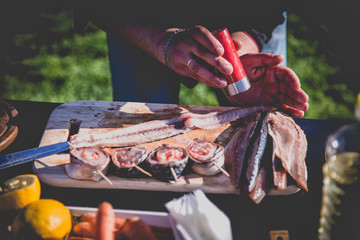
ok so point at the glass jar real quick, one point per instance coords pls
(340, 205)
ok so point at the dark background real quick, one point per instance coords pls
(322, 48)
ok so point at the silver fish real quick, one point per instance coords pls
(258, 152)
(235, 153)
(266, 144)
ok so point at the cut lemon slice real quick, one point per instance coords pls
(19, 191)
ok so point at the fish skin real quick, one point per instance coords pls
(260, 189)
(133, 155)
(283, 156)
(161, 129)
(201, 150)
(236, 149)
(133, 135)
(220, 118)
(257, 152)
(84, 169)
(263, 181)
(163, 170)
(209, 164)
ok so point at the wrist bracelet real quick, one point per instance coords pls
(167, 44)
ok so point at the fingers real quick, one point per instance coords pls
(207, 39)
(297, 95)
(288, 76)
(292, 111)
(204, 75)
(290, 101)
(199, 42)
(202, 54)
(261, 59)
(289, 90)
(196, 54)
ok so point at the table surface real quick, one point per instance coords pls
(297, 213)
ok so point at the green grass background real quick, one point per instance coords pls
(49, 62)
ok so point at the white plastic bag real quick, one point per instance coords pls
(198, 218)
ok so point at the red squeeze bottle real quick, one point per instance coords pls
(237, 81)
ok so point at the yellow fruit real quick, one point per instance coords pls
(42, 219)
(19, 191)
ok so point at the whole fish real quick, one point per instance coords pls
(266, 144)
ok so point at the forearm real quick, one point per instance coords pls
(150, 39)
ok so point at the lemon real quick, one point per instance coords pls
(19, 191)
(43, 219)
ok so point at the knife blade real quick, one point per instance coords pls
(13, 159)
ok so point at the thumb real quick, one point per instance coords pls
(237, 44)
(261, 59)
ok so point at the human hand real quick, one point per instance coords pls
(271, 84)
(196, 53)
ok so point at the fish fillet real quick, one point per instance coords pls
(217, 119)
(290, 146)
(129, 136)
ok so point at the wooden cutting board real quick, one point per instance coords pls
(102, 116)
(8, 131)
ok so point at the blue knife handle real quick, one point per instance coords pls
(17, 158)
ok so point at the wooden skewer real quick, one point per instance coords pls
(222, 170)
(105, 177)
(142, 170)
(71, 145)
(173, 173)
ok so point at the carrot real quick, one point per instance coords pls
(85, 229)
(136, 229)
(119, 222)
(105, 222)
(88, 217)
(80, 238)
(91, 217)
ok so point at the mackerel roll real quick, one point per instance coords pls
(88, 163)
(206, 157)
(167, 163)
(125, 161)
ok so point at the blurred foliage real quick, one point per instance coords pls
(199, 95)
(49, 62)
(329, 96)
(72, 67)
